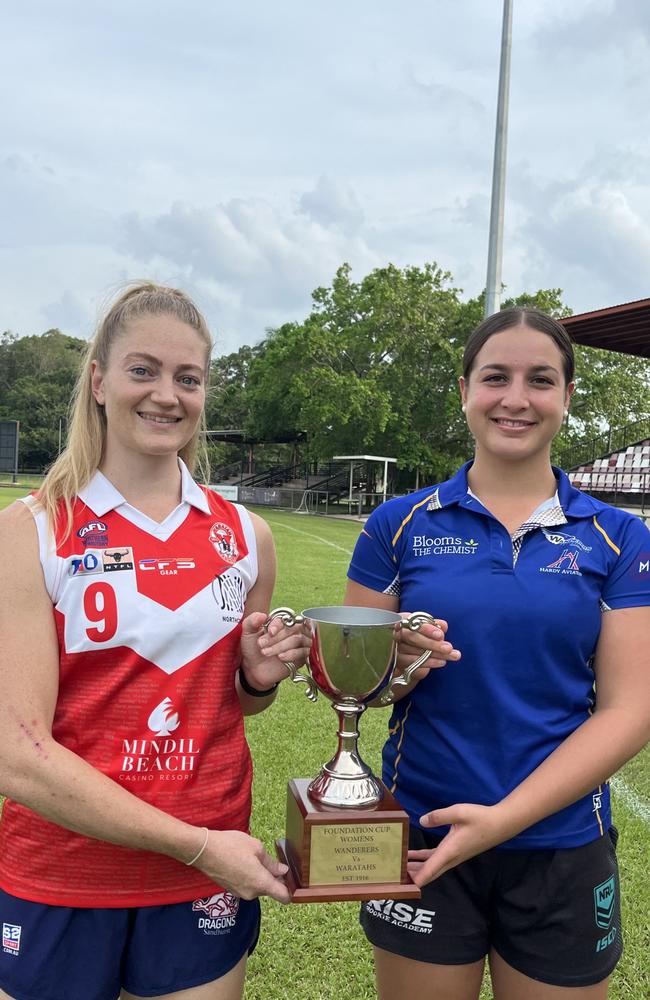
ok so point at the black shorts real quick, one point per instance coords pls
(553, 915)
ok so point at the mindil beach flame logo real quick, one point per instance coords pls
(222, 904)
(223, 538)
(164, 719)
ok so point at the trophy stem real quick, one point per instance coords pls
(346, 780)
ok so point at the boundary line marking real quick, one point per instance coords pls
(333, 545)
(632, 800)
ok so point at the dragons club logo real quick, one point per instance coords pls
(219, 912)
(164, 719)
(223, 538)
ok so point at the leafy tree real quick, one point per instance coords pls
(372, 369)
(37, 374)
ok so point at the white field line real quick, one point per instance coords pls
(308, 534)
(634, 802)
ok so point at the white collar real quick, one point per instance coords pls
(101, 496)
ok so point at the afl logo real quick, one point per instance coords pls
(223, 538)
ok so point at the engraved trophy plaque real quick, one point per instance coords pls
(346, 835)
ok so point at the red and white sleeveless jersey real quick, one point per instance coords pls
(148, 618)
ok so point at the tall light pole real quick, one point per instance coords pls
(495, 247)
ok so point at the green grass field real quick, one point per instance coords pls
(316, 952)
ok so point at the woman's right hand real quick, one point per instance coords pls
(429, 636)
(242, 865)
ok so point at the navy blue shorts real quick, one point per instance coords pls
(553, 915)
(66, 953)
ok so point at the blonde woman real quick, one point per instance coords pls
(133, 601)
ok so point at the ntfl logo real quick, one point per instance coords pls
(222, 904)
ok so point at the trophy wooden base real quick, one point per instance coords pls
(338, 854)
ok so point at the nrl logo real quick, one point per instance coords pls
(604, 899)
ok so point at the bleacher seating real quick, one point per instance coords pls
(626, 471)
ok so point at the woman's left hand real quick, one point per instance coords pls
(265, 651)
(473, 830)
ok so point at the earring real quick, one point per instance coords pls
(464, 408)
(566, 413)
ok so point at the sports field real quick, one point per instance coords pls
(317, 952)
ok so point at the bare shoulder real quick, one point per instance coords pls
(262, 530)
(20, 565)
(17, 525)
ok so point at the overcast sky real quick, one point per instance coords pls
(244, 151)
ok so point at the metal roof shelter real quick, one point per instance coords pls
(624, 328)
(364, 458)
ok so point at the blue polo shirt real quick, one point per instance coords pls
(525, 611)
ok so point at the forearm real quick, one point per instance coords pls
(58, 785)
(586, 759)
(253, 704)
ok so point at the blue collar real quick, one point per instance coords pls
(574, 503)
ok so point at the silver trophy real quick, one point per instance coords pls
(352, 661)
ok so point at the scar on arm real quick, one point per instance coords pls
(35, 742)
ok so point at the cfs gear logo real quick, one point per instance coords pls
(220, 912)
(164, 719)
(93, 534)
(166, 567)
(604, 899)
(557, 538)
(453, 545)
(11, 938)
(223, 538)
(117, 559)
(411, 918)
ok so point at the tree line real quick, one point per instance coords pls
(372, 369)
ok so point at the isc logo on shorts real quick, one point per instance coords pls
(11, 938)
(411, 918)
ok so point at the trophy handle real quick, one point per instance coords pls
(414, 623)
(289, 617)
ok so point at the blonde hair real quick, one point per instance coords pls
(76, 465)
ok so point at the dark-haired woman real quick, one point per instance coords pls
(502, 759)
(131, 616)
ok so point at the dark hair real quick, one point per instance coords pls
(508, 318)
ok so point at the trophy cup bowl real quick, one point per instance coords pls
(352, 662)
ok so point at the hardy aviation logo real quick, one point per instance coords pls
(566, 565)
(223, 538)
(11, 938)
(164, 719)
(453, 545)
(567, 562)
(220, 912)
(166, 757)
